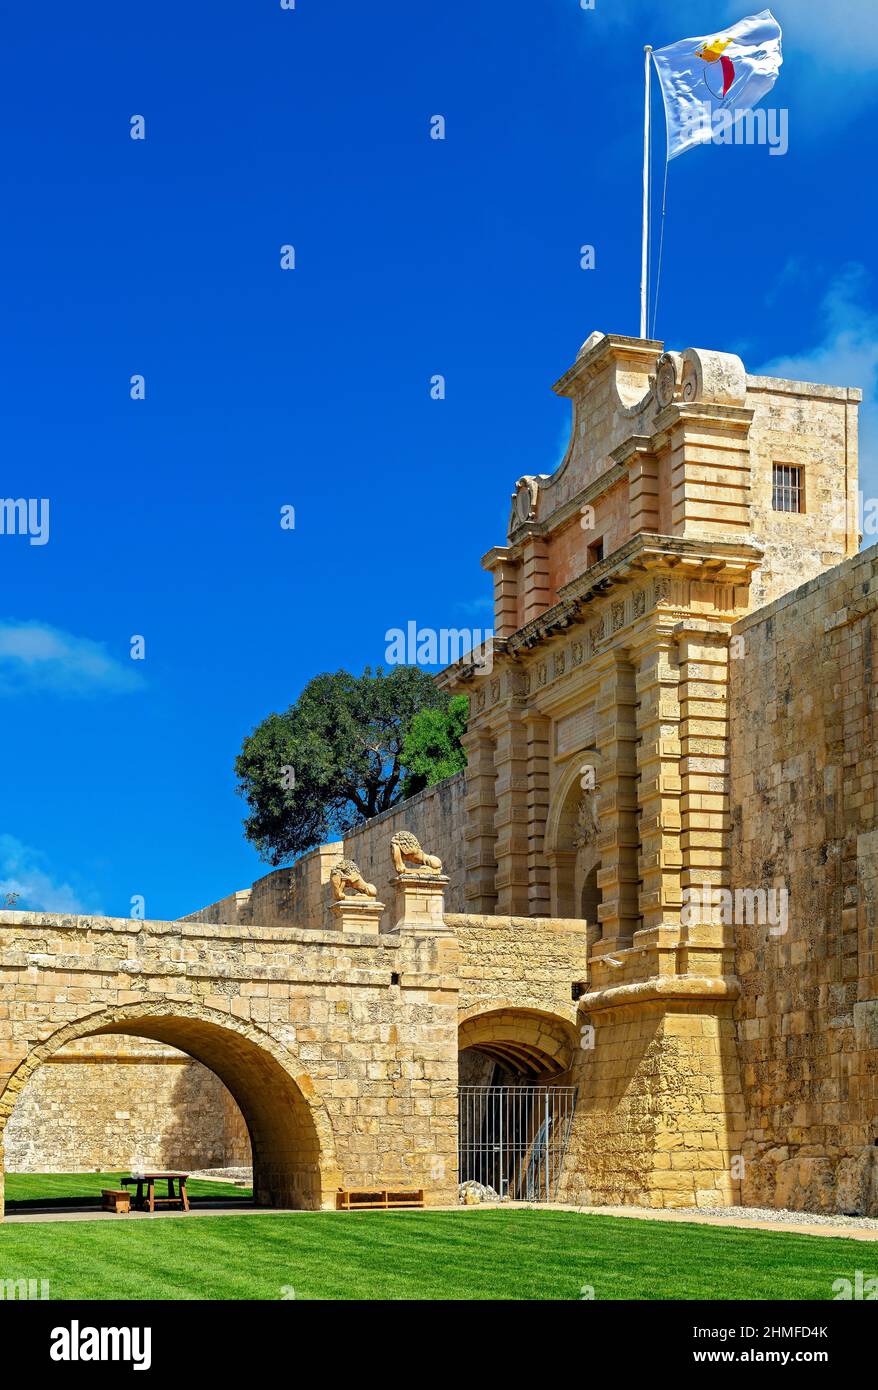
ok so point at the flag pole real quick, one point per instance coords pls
(644, 264)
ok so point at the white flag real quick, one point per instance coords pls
(728, 71)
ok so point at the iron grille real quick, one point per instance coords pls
(787, 488)
(512, 1139)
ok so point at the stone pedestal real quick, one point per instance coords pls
(420, 903)
(361, 915)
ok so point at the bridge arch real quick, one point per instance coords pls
(294, 1162)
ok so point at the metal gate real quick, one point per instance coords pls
(513, 1138)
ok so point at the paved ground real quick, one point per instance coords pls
(98, 1214)
(796, 1222)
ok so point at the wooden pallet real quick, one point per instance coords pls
(379, 1198)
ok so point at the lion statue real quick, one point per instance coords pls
(346, 874)
(408, 856)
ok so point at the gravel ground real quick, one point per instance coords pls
(244, 1175)
(781, 1218)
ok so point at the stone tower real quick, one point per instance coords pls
(598, 778)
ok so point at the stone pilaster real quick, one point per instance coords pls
(504, 564)
(617, 802)
(511, 850)
(506, 582)
(659, 787)
(481, 832)
(704, 762)
(562, 865)
(537, 593)
(539, 892)
(643, 491)
(709, 460)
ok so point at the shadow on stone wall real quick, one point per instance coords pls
(115, 1103)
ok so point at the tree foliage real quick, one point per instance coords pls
(432, 749)
(334, 758)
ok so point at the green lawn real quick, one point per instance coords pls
(25, 1190)
(512, 1254)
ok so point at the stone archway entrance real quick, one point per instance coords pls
(290, 1133)
(515, 1102)
(527, 1044)
(572, 830)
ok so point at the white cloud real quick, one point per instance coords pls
(24, 871)
(830, 53)
(476, 607)
(36, 657)
(843, 34)
(836, 34)
(847, 355)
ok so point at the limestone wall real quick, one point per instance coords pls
(813, 428)
(296, 895)
(233, 909)
(341, 1050)
(114, 1103)
(299, 894)
(520, 961)
(172, 1107)
(437, 816)
(803, 765)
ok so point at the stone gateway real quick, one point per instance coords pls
(654, 887)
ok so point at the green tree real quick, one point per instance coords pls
(333, 759)
(432, 749)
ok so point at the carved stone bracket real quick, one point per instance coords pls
(668, 378)
(717, 378)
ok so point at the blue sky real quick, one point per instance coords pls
(310, 388)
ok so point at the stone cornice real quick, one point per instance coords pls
(662, 988)
(780, 386)
(634, 444)
(733, 418)
(645, 556)
(39, 923)
(650, 551)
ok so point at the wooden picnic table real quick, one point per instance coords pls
(145, 1198)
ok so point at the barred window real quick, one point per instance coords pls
(787, 490)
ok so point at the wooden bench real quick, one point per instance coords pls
(116, 1200)
(378, 1199)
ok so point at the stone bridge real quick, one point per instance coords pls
(340, 1047)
